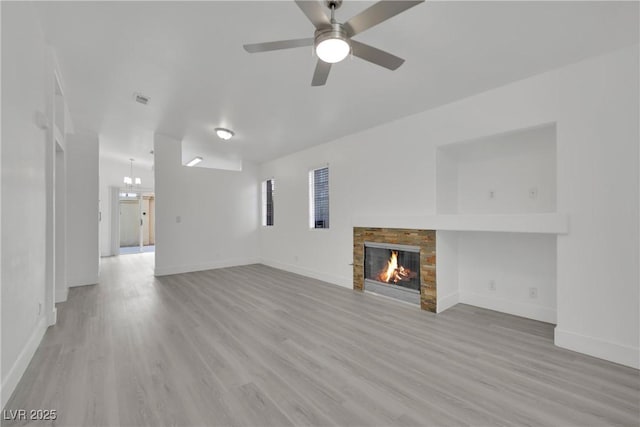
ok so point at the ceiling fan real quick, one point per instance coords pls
(333, 41)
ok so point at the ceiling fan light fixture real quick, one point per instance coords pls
(333, 50)
(332, 45)
(224, 134)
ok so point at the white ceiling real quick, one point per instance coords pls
(188, 58)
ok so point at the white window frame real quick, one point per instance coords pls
(263, 216)
(312, 216)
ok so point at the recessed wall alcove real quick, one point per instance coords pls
(509, 173)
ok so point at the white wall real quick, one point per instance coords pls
(447, 271)
(598, 184)
(1, 180)
(205, 218)
(82, 209)
(595, 106)
(23, 191)
(60, 206)
(111, 174)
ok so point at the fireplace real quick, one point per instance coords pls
(392, 270)
(395, 262)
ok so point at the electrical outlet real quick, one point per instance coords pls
(492, 285)
(533, 193)
(39, 308)
(178, 219)
(533, 292)
(492, 194)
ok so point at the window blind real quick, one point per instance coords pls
(321, 198)
(268, 188)
(269, 203)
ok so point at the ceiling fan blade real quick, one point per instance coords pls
(376, 14)
(321, 73)
(315, 12)
(281, 44)
(375, 55)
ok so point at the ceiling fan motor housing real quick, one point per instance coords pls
(335, 31)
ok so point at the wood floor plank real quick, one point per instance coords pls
(256, 346)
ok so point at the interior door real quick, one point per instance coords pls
(129, 223)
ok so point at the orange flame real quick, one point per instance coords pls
(394, 272)
(387, 273)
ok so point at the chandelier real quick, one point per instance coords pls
(130, 181)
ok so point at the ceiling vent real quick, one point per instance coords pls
(141, 99)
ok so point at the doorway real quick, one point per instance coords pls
(137, 222)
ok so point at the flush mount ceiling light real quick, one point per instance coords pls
(225, 134)
(194, 161)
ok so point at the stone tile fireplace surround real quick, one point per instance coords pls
(425, 239)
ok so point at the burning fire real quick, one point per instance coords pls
(393, 272)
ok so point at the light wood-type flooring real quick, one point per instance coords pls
(256, 346)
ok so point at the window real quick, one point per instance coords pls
(267, 202)
(319, 198)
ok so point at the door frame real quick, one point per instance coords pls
(115, 216)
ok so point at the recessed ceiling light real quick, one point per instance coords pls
(223, 133)
(194, 161)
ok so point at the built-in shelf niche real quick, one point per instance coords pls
(513, 273)
(508, 173)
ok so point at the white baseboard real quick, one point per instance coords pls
(447, 302)
(61, 295)
(179, 269)
(596, 347)
(529, 311)
(17, 370)
(345, 282)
